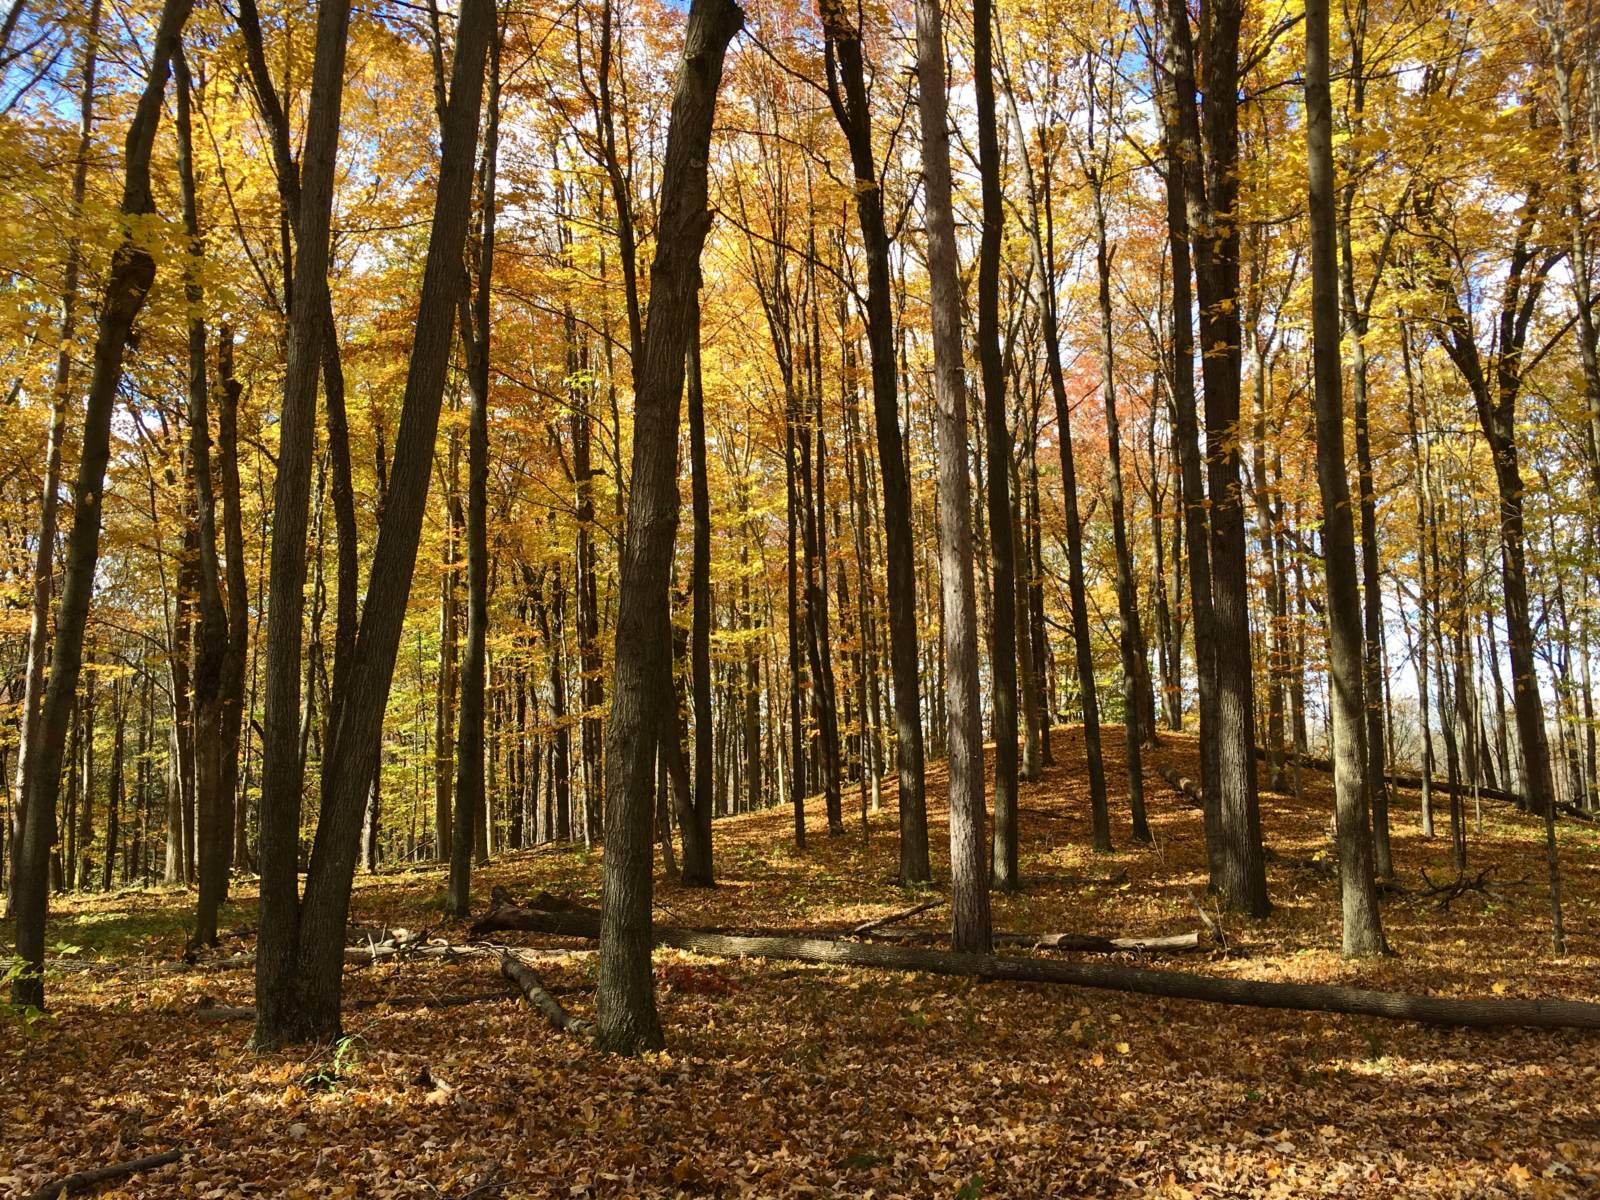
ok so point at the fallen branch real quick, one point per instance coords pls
(1477, 1013)
(904, 914)
(526, 978)
(82, 1181)
(1445, 894)
(1089, 943)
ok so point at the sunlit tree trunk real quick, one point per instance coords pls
(131, 274)
(969, 881)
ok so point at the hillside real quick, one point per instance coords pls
(784, 1079)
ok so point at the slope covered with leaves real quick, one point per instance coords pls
(821, 1081)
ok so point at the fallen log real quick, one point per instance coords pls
(82, 1181)
(1183, 785)
(526, 978)
(1089, 943)
(1486, 1013)
(1413, 783)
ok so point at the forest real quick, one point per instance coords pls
(749, 598)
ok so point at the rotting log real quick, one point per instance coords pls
(526, 978)
(1183, 785)
(82, 1181)
(1484, 1013)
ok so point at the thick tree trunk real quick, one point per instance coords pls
(278, 1018)
(131, 275)
(626, 1007)
(1210, 190)
(298, 991)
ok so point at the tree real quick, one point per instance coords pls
(847, 95)
(298, 999)
(476, 333)
(969, 883)
(625, 1001)
(131, 275)
(998, 443)
(1363, 928)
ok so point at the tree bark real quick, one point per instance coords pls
(477, 333)
(213, 851)
(698, 870)
(50, 494)
(298, 986)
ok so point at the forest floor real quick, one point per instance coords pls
(783, 1080)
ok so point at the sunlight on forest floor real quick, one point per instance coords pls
(825, 1081)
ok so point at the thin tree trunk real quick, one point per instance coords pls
(969, 902)
(131, 274)
(698, 869)
(50, 494)
(1363, 927)
(214, 853)
(847, 93)
(625, 1001)
(477, 332)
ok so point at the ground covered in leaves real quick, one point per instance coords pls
(783, 1080)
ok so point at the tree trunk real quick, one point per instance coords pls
(1363, 928)
(1129, 638)
(278, 1018)
(698, 869)
(50, 494)
(969, 902)
(842, 50)
(298, 992)
(477, 332)
(1486, 1013)
(626, 1009)
(998, 444)
(1210, 190)
(1041, 234)
(132, 272)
